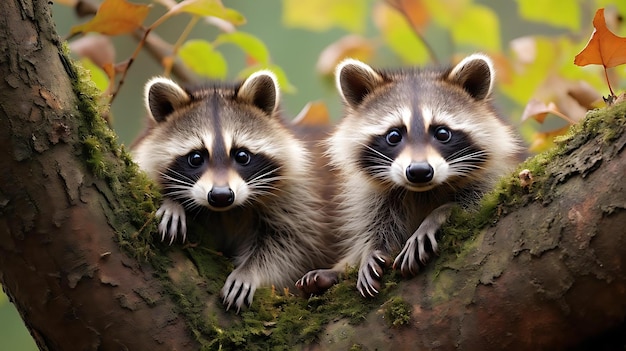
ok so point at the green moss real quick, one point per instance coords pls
(133, 195)
(211, 265)
(275, 319)
(95, 157)
(397, 312)
(509, 193)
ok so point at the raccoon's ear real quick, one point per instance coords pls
(261, 90)
(475, 74)
(355, 80)
(163, 96)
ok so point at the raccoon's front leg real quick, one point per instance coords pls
(173, 220)
(406, 260)
(371, 271)
(239, 288)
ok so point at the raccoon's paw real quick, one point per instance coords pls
(406, 261)
(238, 290)
(370, 273)
(317, 281)
(173, 221)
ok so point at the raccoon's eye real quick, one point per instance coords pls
(195, 159)
(443, 134)
(242, 157)
(393, 137)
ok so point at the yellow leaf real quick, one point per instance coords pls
(478, 26)
(399, 36)
(213, 8)
(558, 13)
(320, 15)
(115, 17)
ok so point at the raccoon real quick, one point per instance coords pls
(223, 155)
(413, 143)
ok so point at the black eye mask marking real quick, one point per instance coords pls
(381, 150)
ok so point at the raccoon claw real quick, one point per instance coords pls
(406, 261)
(370, 273)
(237, 292)
(317, 281)
(173, 221)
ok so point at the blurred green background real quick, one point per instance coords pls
(295, 50)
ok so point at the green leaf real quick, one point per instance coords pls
(478, 27)
(250, 44)
(399, 36)
(283, 82)
(558, 13)
(202, 58)
(208, 8)
(320, 15)
(98, 76)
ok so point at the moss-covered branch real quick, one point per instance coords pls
(512, 274)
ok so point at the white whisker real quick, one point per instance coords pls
(376, 152)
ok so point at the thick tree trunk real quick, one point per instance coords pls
(59, 261)
(550, 274)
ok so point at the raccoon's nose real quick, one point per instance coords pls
(419, 172)
(221, 196)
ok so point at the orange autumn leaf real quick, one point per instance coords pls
(115, 17)
(604, 47)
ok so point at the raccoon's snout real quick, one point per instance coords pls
(420, 172)
(221, 196)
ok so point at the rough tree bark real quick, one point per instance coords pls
(59, 262)
(550, 274)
